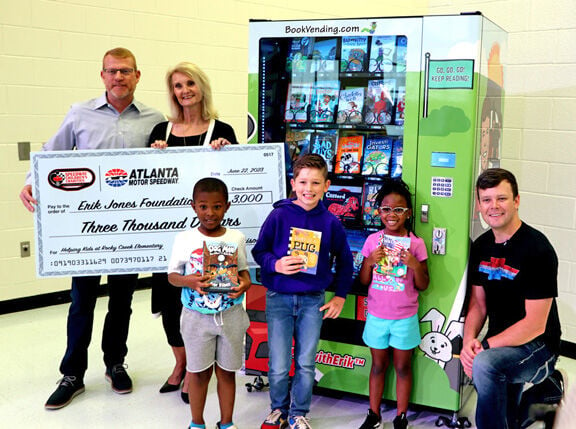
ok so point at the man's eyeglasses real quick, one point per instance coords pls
(123, 72)
(396, 210)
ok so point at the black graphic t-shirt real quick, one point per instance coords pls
(524, 267)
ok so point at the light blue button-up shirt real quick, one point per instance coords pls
(96, 124)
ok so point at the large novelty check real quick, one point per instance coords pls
(117, 211)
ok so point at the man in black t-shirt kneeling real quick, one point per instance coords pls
(513, 282)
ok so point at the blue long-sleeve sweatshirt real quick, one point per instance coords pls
(273, 243)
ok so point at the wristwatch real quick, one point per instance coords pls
(485, 344)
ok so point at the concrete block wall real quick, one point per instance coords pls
(50, 56)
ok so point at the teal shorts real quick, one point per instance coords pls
(401, 334)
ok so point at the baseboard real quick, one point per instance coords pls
(53, 298)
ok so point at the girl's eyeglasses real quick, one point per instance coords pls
(396, 210)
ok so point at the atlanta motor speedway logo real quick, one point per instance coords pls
(117, 177)
(71, 179)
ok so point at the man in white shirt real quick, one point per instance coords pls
(113, 120)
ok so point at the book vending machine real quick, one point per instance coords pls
(417, 98)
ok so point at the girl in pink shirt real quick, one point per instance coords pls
(395, 268)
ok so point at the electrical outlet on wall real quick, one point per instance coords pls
(24, 249)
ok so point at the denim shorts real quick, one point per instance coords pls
(401, 334)
(214, 338)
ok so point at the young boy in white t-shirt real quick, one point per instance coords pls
(213, 324)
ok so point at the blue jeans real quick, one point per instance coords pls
(299, 317)
(499, 375)
(81, 320)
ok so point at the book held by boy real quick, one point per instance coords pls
(305, 243)
(220, 262)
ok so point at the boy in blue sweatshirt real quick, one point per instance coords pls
(295, 249)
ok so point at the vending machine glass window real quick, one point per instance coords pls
(340, 97)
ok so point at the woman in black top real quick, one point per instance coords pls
(193, 122)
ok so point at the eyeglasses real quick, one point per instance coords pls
(123, 72)
(396, 210)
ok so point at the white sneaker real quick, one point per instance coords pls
(298, 422)
(274, 420)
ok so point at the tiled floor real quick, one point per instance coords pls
(32, 344)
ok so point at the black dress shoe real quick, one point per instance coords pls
(167, 387)
(184, 396)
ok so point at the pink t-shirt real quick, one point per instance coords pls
(393, 296)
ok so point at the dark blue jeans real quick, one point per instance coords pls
(499, 375)
(81, 319)
(298, 317)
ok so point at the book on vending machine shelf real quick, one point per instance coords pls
(356, 239)
(345, 202)
(324, 143)
(382, 51)
(349, 155)
(401, 50)
(397, 156)
(353, 54)
(324, 101)
(297, 102)
(324, 55)
(299, 54)
(297, 144)
(370, 216)
(377, 154)
(350, 105)
(380, 101)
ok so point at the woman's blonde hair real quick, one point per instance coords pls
(201, 80)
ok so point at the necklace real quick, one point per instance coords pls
(196, 140)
